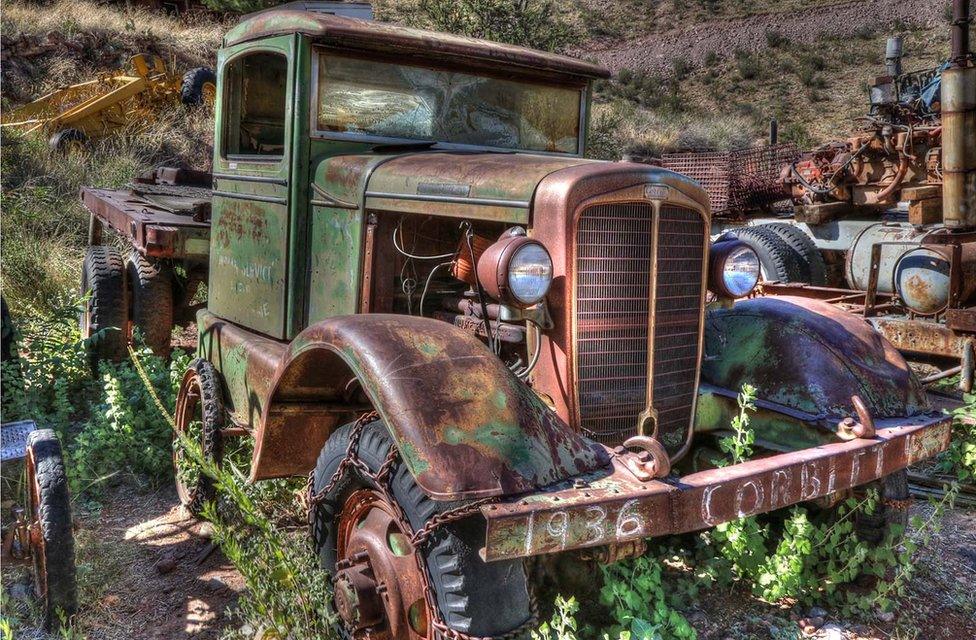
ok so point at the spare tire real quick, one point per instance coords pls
(815, 268)
(778, 261)
(199, 86)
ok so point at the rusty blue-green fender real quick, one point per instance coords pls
(465, 425)
(806, 359)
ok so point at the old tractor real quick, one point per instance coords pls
(74, 114)
(487, 351)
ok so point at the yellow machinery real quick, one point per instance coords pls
(98, 107)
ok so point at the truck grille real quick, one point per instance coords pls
(680, 258)
(614, 250)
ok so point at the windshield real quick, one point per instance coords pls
(399, 101)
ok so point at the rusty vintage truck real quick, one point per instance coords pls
(485, 349)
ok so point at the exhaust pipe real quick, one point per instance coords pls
(959, 127)
(893, 53)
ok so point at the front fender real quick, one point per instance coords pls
(809, 357)
(465, 426)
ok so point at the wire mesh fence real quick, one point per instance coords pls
(739, 180)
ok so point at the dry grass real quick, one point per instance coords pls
(198, 39)
(91, 38)
(44, 223)
(602, 19)
(618, 129)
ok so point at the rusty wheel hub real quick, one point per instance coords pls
(378, 584)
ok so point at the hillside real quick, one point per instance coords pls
(703, 74)
(695, 74)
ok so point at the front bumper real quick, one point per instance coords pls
(603, 509)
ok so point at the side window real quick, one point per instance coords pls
(254, 124)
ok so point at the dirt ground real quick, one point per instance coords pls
(152, 573)
(146, 570)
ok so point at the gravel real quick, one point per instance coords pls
(656, 52)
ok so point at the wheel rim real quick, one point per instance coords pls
(208, 94)
(35, 535)
(84, 320)
(189, 424)
(379, 585)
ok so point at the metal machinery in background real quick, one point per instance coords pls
(892, 210)
(74, 114)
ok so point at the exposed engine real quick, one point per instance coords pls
(899, 145)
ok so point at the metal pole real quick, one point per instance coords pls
(959, 127)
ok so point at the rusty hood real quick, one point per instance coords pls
(482, 185)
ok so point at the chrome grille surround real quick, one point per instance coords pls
(638, 311)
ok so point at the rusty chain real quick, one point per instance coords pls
(419, 537)
(422, 535)
(350, 459)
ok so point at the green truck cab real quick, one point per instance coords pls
(483, 347)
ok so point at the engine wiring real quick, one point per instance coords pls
(409, 280)
(469, 239)
(430, 276)
(399, 248)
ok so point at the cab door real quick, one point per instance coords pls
(250, 225)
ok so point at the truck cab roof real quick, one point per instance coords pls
(355, 35)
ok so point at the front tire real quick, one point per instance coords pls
(53, 545)
(471, 596)
(67, 141)
(199, 87)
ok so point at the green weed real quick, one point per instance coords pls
(960, 458)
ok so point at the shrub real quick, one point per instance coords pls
(960, 458)
(747, 64)
(775, 39)
(528, 23)
(107, 424)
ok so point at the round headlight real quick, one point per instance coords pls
(734, 269)
(516, 270)
(922, 280)
(530, 273)
(741, 271)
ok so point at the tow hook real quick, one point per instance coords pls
(650, 462)
(862, 427)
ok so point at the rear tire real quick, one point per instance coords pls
(199, 87)
(151, 283)
(814, 267)
(778, 261)
(472, 596)
(200, 403)
(105, 316)
(50, 506)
